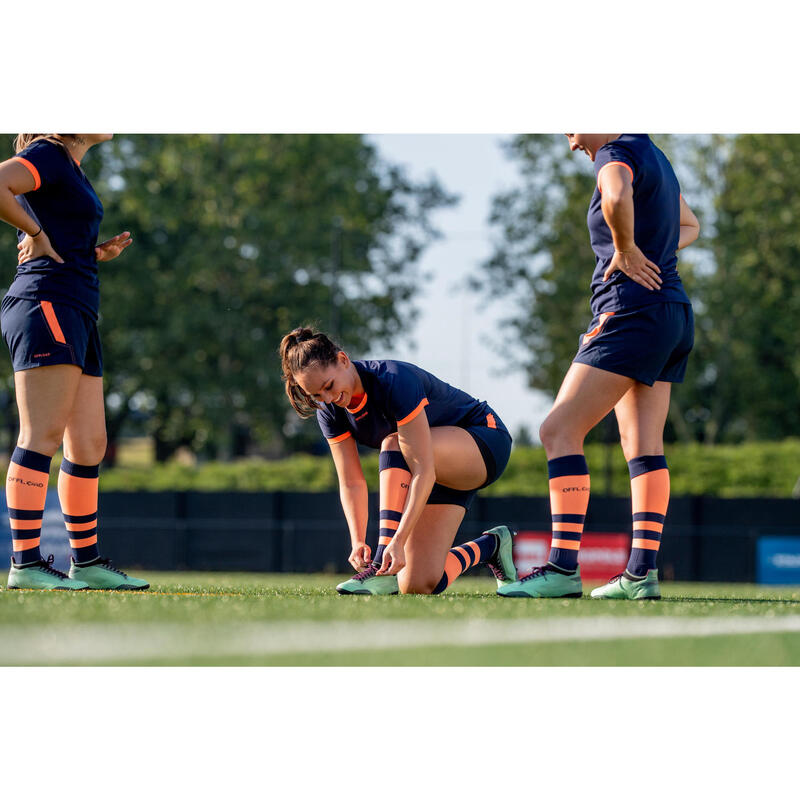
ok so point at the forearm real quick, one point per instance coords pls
(355, 504)
(618, 213)
(14, 214)
(419, 491)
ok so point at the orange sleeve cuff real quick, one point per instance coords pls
(620, 163)
(340, 438)
(33, 171)
(414, 413)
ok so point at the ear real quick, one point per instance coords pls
(343, 359)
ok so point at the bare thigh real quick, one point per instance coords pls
(85, 433)
(586, 395)
(641, 416)
(457, 460)
(45, 398)
(427, 547)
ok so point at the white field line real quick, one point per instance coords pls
(108, 643)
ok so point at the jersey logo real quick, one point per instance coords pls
(362, 416)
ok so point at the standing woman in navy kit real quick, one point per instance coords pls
(635, 348)
(438, 447)
(49, 322)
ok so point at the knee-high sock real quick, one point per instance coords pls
(394, 482)
(461, 558)
(77, 491)
(26, 492)
(649, 501)
(569, 499)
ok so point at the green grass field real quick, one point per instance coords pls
(256, 619)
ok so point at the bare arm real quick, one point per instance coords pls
(17, 179)
(690, 227)
(616, 186)
(355, 498)
(416, 445)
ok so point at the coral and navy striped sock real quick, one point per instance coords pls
(461, 558)
(26, 492)
(649, 501)
(569, 499)
(77, 491)
(395, 478)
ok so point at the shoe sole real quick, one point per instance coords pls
(368, 593)
(46, 589)
(552, 597)
(118, 588)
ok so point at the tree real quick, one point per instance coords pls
(238, 239)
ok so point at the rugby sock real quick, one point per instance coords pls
(394, 481)
(26, 492)
(77, 491)
(649, 501)
(461, 558)
(569, 499)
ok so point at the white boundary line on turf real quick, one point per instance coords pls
(139, 642)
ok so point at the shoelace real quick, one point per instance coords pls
(105, 562)
(616, 578)
(48, 567)
(369, 572)
(537, 571)
(497, 571)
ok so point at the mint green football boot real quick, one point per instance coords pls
(41, 575)
(102, 574)
(502, 562)
(545, 582)
(367, 582)
(625, 587)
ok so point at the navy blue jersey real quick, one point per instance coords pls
(395, 393)
(656, 206)
(65, 205)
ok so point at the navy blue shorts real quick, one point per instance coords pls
(648, 344)
(40, 334)
(495, 447)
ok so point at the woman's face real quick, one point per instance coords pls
(589, 143)
(334, 383)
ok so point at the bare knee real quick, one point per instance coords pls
(391, 442)
(45, 441)
(558, 438)
(89, 450)
(418, 584)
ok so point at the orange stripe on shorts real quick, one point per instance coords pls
(52, 322)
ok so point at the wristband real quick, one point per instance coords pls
(34, 235)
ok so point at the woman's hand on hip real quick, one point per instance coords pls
(360, 557)
(111, 248)
(636, 266)
(394, 558)
(36, 247)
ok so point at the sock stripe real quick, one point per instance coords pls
(79, 518)
(577, 519)
(574, 536)
(389, 514)
(649, 516)
(79, 470)
(563, 544)
(461, 556)
(18, 545)
(641, 464)
(476, 553)
(567, 527)
(31, 460)
(25, 524)
(646, 544)
(567, 465)
(389, 525)
(31, 534)
(642, 534)
(392, 459)
(24, 513)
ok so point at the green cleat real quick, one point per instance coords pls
(625, 587)
(502, 562)
(367, 582)
(102, 574)
(545, 582)
(41, 575)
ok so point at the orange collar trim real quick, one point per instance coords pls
(359, 406)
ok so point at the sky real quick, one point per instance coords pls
(457, 335)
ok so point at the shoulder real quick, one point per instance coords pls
(47, 161)
(629, 150)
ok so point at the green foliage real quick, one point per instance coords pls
(237, 240)
(757, 469)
